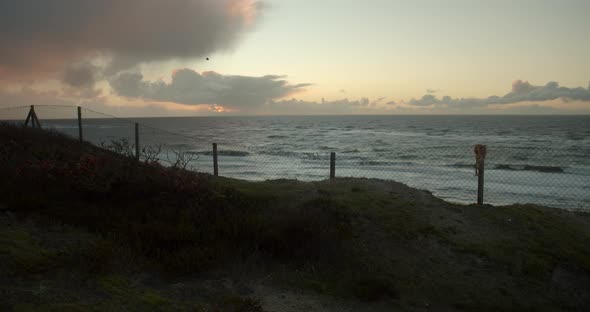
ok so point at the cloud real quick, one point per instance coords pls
(52, 104)
(123, 107)
(522, 91)
(79, 80)
(41, 37)
(430, 91)
(340, 106)
(81, 75)
(192, 88)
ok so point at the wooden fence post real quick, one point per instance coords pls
(332, 165)
(137, 141)
(215, 168)
(32, 116)
(80, 124)
(29, 116)
(34, 119)
(480, 182)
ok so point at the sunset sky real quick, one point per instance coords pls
(148, 57)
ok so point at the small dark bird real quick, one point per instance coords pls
(207, 59)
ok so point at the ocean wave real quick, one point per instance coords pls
(299, 155)
(384, 163)
(313, 156)
(511, 167)
(462, 165)
(373, 163)
(519, 157)
(277, 136)
(575, 137)
(278, 153)
(547, 169)
(408, 157)
(380, 150)
(222, 153)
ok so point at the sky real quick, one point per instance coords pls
(280, 57)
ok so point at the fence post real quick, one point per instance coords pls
(29, 117)
(332, 165)
(80, 124)
(136, 141)
(215, 168)
(32, 116)
(480, 182)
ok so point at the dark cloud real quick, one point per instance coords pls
(79, 80)
(522, 91)
(191, 88)
(40, 37)
(80, 75)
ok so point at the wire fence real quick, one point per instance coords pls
(513, 174)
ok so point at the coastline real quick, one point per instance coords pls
(136, 236)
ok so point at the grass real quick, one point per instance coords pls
(21, 254)
(126, 232)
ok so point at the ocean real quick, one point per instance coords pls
(530, 159)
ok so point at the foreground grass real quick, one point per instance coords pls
(85, 229)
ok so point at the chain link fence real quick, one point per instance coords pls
(513, 174)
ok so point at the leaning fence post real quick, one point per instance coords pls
(136, 141)
(215, 168)
(332, 165)
(29, 117)
(32, 116)
(80, 123)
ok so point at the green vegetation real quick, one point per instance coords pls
(86, 229)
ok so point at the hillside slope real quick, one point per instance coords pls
(82, 229)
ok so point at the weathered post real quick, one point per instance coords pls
(32, 116)
(80, 124)
(480, 183)
(215, 168)
(29, 117)
(480, 155)
(137, 141)
(332, 165)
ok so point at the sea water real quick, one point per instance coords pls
(530, 159)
